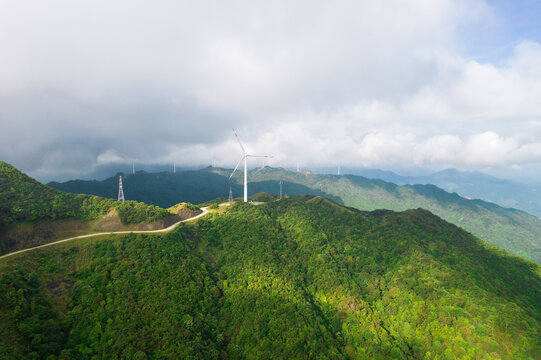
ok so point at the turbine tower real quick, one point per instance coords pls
(244, 158)
(120, 190)
(230, 196)
(281, 182)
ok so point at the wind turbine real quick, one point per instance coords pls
(244, 157)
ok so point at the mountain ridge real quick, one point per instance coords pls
(511, 229)
(472, 185)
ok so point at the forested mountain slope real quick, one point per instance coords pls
(23, 199)
(524, 195)
(506, 193)
(511, 229)
(162, 189)
(288, 279)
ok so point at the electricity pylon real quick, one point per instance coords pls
(120, 190)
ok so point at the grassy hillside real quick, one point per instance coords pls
(512, 230)
(25, 200)
(287, 279)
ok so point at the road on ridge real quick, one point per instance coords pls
(205, 211)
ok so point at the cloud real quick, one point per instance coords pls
(357, 82)
(110, 157)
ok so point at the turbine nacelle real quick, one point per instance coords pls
(244, 158)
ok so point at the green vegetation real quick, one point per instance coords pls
(510, 229)
(133, 212)
(523, 196)
(163, 189)
(295, 278)
(23, 199)
(262, 197)
(183, 206)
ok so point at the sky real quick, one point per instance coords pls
(392, 84)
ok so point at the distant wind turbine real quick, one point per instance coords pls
(244, 157)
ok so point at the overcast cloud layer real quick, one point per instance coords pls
(356, 83)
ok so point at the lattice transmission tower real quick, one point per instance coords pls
(120, 190)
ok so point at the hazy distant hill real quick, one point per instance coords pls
(288, 279)
(510, 229)
(474, 185)
(384, 175)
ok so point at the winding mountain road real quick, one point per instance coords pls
(205, 211)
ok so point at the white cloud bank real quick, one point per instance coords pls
(360, 83)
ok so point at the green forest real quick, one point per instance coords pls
(25, 199)
(512, 230)
(297, 278)
(30, 211)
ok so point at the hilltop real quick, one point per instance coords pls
(510, 229)
(32, 213)
(295, 278)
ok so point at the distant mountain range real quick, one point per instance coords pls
(512, 230)
(471, 185)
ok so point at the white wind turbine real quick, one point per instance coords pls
(244, 157)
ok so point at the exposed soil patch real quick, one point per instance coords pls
(184, 213)
(60, 286)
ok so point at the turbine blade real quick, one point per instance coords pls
(242, 158)
(237, 137)
(265, 156)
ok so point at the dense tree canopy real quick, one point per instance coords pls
(295, 278)
(25, 199)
